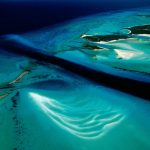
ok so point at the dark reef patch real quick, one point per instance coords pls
(106, 38)
(14, 99)
(144, 29)
(147, 16)
(92, 47)
(19, 128)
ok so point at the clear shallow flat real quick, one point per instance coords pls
(86, 116)
(47, 107)
(93, 39)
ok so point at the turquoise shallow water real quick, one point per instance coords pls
(72, 40)
(43, 106)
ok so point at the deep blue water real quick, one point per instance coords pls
(21, 16)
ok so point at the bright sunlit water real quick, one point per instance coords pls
(47, 107)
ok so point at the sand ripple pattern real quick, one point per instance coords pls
(80, 117)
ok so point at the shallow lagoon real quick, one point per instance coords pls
(43, 106)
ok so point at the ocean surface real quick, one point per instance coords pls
(20, 16)
(45, 106)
